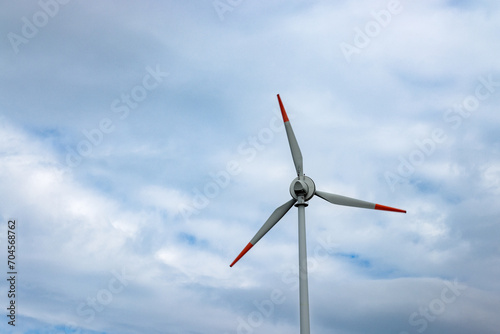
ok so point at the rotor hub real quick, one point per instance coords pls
(302, 186)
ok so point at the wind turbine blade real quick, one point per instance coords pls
(294, 146)
(270, 222)
(348, 201)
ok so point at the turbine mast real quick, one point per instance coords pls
(303, 284)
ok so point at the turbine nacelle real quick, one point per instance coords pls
(302, 186)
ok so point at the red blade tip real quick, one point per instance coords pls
(283, 112)
(387, 208)
(243, 252)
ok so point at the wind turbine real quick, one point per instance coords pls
(303, 189)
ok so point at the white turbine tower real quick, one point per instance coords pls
(303, 189)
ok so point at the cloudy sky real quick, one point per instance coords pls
(142, 148)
